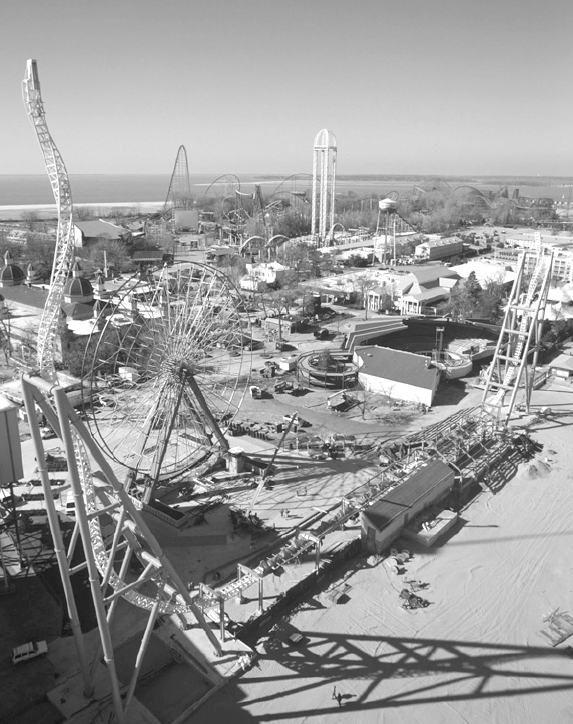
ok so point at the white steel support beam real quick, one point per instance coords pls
(31, 396)
(170, 596)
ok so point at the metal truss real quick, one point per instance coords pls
(112, 531)
(107, 555)
(513, 366)
(63, 256)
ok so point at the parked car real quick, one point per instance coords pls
(31, 650)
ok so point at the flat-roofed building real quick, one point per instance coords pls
(86, 232)
(562, 366)
(397, 374)
(439, 248)
(384, 521)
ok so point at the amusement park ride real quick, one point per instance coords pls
(172, 379)
(516, 354)
(175, 351)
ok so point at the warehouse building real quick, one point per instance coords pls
(384, 521)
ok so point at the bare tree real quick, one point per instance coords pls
(362, 285)
(31, 218)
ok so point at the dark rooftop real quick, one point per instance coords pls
(429, 476)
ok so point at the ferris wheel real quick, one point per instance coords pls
(167, 367)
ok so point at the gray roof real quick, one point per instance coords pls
(428, 295)
(436, 243)
(397, 366)
(99, 228)
(426, 274)
(563, 362)
(430, 475)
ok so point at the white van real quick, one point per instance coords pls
(68, 505)
(28, 651)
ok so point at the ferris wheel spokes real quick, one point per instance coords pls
(183, 353)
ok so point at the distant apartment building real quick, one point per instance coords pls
(562, 270)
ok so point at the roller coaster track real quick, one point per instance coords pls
(158, 588)
(65, 235)
(519, 336)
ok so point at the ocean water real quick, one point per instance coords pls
(24, 190)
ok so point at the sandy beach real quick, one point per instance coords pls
(476, 654)
(48, 211)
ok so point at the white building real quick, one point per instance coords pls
(86, 232)
(439, 248)
(485, 271)
(269, 273)
(259, 276)
(423, 287)
(399, 375)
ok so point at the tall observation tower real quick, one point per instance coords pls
(323, 185)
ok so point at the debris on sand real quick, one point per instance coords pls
(543, 468)
(538, 469)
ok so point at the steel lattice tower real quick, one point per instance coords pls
(323, 175)
(179, 194)
(513, 367)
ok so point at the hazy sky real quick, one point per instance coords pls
(407, 86)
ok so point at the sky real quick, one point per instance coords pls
(429, 87)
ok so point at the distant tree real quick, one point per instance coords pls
(84, 213)
(31, 219)
(292, 223)
(41, 253)
(490, 297)
(234, 267)
(473, 287)
(362, 285)
(114, 252)
(279, 302)
(464, 298)
(386, 302)
(357, 260)
(327, 264)
(289, 280)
